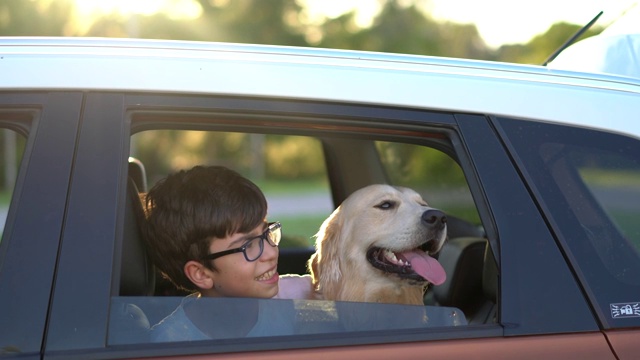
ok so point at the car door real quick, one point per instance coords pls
(587, 184)
(32, 232)
(528, 320)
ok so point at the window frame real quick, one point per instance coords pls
(28, 252)
(521, 240)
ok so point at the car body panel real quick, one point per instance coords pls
(583, 346)
(624, 342)
(294, 73)
(40, 198)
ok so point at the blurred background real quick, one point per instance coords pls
(497, 30)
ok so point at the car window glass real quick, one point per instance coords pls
(589, 184)
(13, 145)
(228, 318)
(614, 180)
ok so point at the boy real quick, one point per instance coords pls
(206, 232)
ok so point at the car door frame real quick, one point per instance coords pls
(32, 232)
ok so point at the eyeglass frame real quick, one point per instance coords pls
(271, 227)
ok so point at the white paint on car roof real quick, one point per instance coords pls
(469, 86)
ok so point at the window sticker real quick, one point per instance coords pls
(625, 310)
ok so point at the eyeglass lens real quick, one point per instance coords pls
(254, 247)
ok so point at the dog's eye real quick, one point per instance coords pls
(386, 205)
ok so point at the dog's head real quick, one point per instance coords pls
(380, 232)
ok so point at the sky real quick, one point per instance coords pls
(499, 22)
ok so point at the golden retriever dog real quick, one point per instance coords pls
(377, 246)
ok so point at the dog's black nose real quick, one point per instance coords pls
(434, 217)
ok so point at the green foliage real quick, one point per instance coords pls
(538, 50)
(34, 18)
(259, 156)
(404, 29)
(414, 166)
(291, 157)
(400, 27)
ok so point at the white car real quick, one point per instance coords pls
(537, 169)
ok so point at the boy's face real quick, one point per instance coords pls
(235, 276)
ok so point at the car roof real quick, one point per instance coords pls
(421, 82)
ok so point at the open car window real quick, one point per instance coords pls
(304, 176)
(435, 175)
(290, 170)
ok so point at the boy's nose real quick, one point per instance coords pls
(269, 252)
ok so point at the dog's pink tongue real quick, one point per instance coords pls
(426, 266)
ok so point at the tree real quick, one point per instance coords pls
(538, 49)
(34, 18)
(253, 21)
(401, 28)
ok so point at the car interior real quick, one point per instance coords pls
(472, 275)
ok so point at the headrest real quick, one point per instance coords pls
(462, 259)
(138, 174)
(137, 276)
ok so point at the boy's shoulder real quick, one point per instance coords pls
(295, 287)
(177, 326)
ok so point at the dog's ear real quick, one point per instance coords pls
(324, 264)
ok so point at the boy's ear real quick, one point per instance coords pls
(199, 274)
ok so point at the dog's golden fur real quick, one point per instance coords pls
(378, 216)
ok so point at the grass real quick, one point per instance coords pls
(5, 198)
(292, 187)
(611, 178)
(628, 223)
(298, 231)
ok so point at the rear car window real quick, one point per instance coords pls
(588, 182)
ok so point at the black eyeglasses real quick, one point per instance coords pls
(252, 249)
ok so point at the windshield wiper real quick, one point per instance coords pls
(572, 39)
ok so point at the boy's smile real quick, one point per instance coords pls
(269, 276)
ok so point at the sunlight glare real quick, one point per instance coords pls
(174, 8)
(122, 7)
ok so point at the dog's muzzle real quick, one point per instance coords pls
(415, 264)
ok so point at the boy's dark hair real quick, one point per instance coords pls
(187, 209)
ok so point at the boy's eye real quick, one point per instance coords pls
(249, 244)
